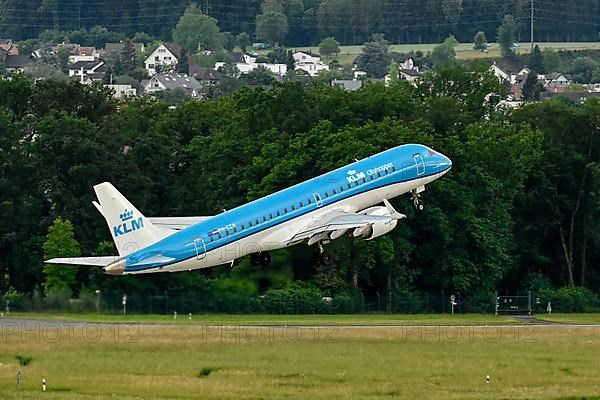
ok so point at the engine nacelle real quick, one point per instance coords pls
(374, 231)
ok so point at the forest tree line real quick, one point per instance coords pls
(306, 22)
(519, 210)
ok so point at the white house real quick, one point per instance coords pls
(309, 62)
(82, 53)
(166, 54)
(122, 91)
(276, 69)
(502, 74)
(160, 82)
(88, 70)
(306, 57)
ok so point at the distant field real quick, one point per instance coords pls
(190, 362)
(464, 51)
(361, 319)
(584, 319)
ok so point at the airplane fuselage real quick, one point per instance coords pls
(270, 223)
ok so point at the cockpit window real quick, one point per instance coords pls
(431, 152)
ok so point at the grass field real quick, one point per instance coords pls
(464, 51)
(198, 362)
(583, 319)
(359, 319)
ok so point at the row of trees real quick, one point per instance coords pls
(519, 208)
(304, 22)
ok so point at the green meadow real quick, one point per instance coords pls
(237, 361)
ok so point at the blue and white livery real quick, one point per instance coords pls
(343, 201)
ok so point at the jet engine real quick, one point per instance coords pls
(373, 231)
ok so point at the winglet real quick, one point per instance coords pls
(393, 213)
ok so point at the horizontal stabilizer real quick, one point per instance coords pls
(87, 261)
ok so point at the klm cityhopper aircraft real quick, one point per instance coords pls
(313, 212)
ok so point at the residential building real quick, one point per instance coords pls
(88, 71)
(309, 62)
(160, 82)
(405, 61)
(82, 53)
(16, 63)
(349, 85)
(9, 47)
(165, 55)
(204, 75)
(122, 91)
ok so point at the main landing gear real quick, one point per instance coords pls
(321, 257)
(417, 200)
(263, 258)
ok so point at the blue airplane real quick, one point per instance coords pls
(343, 201)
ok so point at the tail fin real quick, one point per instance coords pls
(130, 229)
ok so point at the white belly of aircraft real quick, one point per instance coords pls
(275, 237)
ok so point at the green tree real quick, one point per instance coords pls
(271, 26)
(242, 40)
(60, 242)
(289, 61)
(480, 41)
(128, 58)
(536, 60)
(183, 65)
(329, 46)
(531, 87)
(583, 69)
(444, 53)
(228, 41)
(196, 31)
(62, 58)
(258, 76)
(507, 34)
(374, 59)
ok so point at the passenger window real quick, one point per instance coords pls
(326, 194)
(301, 204)
(226, 233)
(234, 229)
(219, 235)
(309, 201)
(334, 192)
(278, 213)
(293, 207)
(285, 210)
(379, 174)
(371, 176)
(212, 239)
(356, 183)
(393, 168)
(270, 216)
(349, 186)
(264, 219)
(250, 223)
(341, 188)
(256, 221)
(364, 180)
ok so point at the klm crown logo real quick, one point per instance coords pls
(128, 223)
(126, 216)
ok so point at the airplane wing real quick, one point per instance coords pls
(87, 261)
(176, 223)
(170, 223)
(337, 222)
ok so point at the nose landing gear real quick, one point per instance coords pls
(417, 200)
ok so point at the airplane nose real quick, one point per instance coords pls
(445, 163)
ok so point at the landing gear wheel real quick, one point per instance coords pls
(417, 202)
(255, 259)
(265, 258)
(325, 258)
